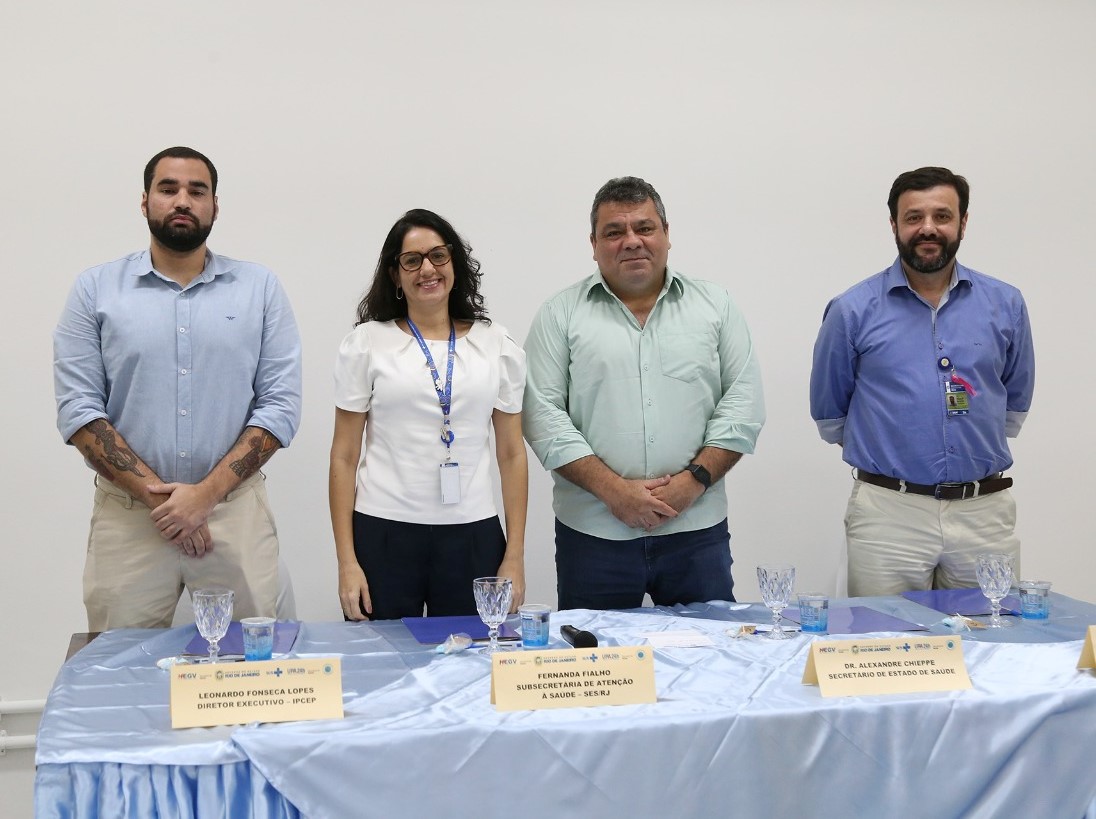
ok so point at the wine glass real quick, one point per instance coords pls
(493, 595)
(212, 614)
(776, 581)
(995, 577)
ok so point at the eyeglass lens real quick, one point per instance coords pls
(413, 261)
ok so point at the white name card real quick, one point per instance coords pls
(266, 691)
(572, 678)
(901, 665)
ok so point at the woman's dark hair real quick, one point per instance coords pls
(465, 299)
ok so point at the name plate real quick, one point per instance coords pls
(847, 668)
(1088, 651)
(266, 691)
(572, 678)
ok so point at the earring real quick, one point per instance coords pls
(399, 292)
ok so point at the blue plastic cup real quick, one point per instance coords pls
(534, 625)
(814, 613)
(1035, 599)
(258, 637)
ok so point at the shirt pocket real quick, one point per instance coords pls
(688, 356)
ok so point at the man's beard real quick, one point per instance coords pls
(182, 238)
(908, 254)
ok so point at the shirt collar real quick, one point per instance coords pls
(895, 276)
(673, 282)
(214, 266)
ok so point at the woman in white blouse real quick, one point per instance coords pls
(425, 376)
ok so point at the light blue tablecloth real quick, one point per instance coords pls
(734, 732)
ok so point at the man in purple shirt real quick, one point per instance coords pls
(920, 374)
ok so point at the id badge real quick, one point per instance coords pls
(450, 482)
(956, 398)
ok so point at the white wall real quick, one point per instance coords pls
(772, 130)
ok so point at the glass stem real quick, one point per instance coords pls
(213, 650)
(776, 621)
(995, 610)
(494, 635)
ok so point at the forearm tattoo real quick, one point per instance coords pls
(117, 456)
(261, 445)
(97, 463)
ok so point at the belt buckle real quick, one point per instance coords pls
(945, 486)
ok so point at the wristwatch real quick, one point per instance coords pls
(701, 474)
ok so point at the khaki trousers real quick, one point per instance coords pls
(900, 542)
(133, 577)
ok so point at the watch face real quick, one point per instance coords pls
(701, 474)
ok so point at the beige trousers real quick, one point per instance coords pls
(133, 577)
(900, 542)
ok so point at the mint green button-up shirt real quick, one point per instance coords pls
(644, 399)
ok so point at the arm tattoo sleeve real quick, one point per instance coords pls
(117, 456)
(261, 445)
(97, 463)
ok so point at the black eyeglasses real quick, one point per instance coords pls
(412, 260)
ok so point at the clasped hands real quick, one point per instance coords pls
(182, 516)
(648, 503)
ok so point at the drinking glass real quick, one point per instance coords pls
(212, 614)
(493, 595)
(258, 634)
(776, 581)
(1035, 599)
(994, 573)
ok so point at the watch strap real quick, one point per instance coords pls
(701, 474)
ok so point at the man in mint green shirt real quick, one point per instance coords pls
(643, 391)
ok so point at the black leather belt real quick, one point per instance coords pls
(940, 491)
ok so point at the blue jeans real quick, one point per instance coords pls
(686, 567)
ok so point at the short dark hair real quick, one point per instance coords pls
(179, 152)
(924, 178)
(465, 299)
(630, 190)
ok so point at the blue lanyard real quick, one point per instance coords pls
(445, 392)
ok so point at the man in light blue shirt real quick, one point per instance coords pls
(920, 374)
(643, 390)
(177, 374)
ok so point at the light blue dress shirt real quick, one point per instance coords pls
(878, 387)
(644, 399)
(179, 372)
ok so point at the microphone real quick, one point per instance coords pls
(579, 639)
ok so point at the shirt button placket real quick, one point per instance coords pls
(184, 423)
(646, 401)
